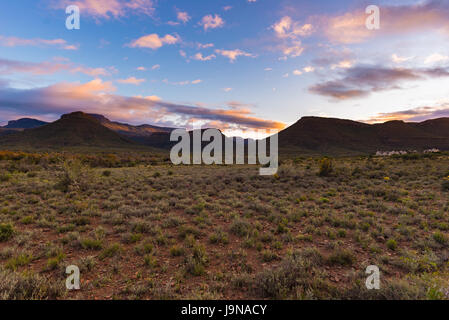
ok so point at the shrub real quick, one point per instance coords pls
(445, 185)
(53, 263)
(110, 251)
(342, 257)
(150, 260)
(176, 251)
(196, 262)
(21, 260)
(6, 232)
(219, 237)
(440, 238)
(91, 244)
(240, 228)
(292, 277)
(29, 286)
(268, 256)
(74, 175)
(326, 167)
(392, 244)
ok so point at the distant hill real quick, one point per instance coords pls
(74, 129)
(24, 123)
(144, 134)
(337, 136)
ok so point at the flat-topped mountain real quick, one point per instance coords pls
(74, 129)
(328, 135)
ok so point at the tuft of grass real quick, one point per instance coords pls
(21, 260)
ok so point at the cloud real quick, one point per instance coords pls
(97, 96)
(290, 32)
(395, 20)
(50, 67)
(182, 83)
(212, 22)
(153, 41)
(37, 42)
(205, 45)
(233, 54)
(361, 81)
(131, 80)
(199, 56)
(287, 28)
(183, 16)
(106, 9)
(413, 115)
(436, 58)
(397, 59)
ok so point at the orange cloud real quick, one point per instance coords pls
(153, 41)
(97, 96)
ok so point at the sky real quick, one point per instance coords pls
(247, 67)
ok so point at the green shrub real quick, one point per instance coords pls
(6, 232)
(91, 244)
(440, 238)
(392, 244)
(22, 259)
(110, 251)
(53, 263)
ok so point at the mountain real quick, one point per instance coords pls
(24, 123)
(308, 136)
(337, 136)
(144, 134)
(74, 129)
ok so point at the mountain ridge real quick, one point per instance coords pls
(309, 135)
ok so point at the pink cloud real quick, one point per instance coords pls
(106, 9)
(38, 42)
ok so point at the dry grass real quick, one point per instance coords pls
(147, 230)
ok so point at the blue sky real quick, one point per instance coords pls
(239, 65)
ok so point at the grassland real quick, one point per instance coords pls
(140, 228)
